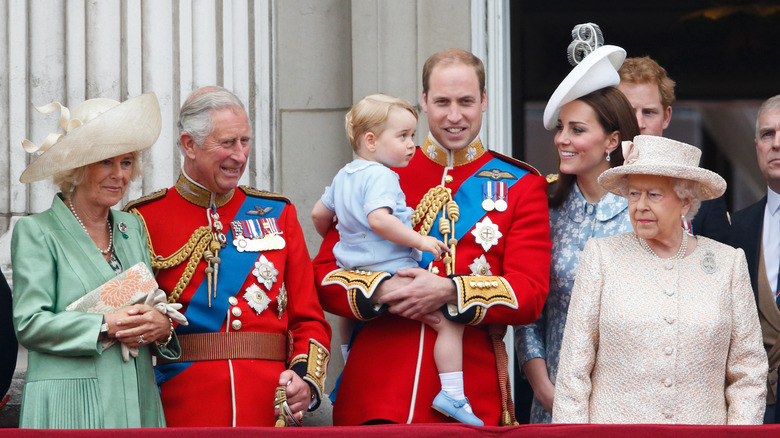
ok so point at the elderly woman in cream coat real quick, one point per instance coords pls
(662, 327)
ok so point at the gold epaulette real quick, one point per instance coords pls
(553, 177)
(146, 199)
(251, 191)
(483, 292)
(514, 161)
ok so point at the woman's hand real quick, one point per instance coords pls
(138, 324)
(544, 391)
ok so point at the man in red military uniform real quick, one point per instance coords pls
(236, 259)
(492, 212)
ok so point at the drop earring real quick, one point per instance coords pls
(608, 157)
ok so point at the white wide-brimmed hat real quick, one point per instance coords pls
(596, 68)
(652, 155)
(96, 129)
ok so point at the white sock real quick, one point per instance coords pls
(452, 384)
(344, 352)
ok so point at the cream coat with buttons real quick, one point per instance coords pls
(656, 341)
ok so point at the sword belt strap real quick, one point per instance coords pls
(233, 345)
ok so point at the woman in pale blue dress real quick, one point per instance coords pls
(590, 128)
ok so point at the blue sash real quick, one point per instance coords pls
(233, 271)
(469, 199)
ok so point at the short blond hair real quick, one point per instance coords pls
(370, 114)
(645, 70)
(68, 180)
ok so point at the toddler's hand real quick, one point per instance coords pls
(432, 245)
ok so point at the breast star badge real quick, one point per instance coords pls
(480, 266)
(258, 300)
(281, 300)
(486, 233)
(265, 272)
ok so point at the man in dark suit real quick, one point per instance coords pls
(8, 345)
(651, 93)
(756, 229)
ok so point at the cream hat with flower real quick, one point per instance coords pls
(651, 155)
(95, 130)
(595, 67)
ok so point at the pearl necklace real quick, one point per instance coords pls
(108, 224)
(680, 252)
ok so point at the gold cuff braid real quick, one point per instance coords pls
(483, 292)
(317, 365)
(355, 282)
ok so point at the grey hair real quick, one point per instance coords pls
(68, 180)
(195, 114)
(690, 190)
(771, 104)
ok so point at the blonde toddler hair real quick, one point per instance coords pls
(370, 114)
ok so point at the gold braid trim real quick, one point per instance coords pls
(194, 248)
(483, 292)
(439, 199)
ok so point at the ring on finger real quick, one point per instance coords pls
(141, 339)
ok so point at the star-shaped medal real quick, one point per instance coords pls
(281, 301)
(265, 272)
(258, 300)
(486, 233)
(480, 266)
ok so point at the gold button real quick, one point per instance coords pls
(448, 179)
(233, 301)
(435, 270)
(236, 324)
(235, 311)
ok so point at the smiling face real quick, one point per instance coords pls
(394, 147)
(105, 182)
(654, 208)
(582, 142)
(219, 163)
(454, 104)
(646, 101)
(768, 147)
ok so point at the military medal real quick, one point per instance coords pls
(256, 298)
(480, 266)
(487, 196)
(281, 301)
(265, 272)
(501, 204)
(255, 235)
(486, 233)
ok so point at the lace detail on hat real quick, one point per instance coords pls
(587, 37)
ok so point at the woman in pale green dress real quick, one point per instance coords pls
(74, 247)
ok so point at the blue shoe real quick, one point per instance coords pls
(455, 409)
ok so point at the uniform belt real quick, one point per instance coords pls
(233, 345)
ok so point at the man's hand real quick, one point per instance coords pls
(298, 393)
(419, 298)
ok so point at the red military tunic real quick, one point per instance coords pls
(505, 284)
(236, 392)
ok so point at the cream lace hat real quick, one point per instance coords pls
(595, 67)
(95, 130)
(651, 155)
